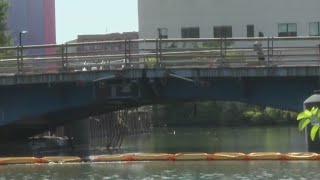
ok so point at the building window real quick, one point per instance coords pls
(222, 31)
(261, 34)
(163, 33)
(97, 47)
(314, 29)
(250, 30)
(287, 29)
(86, 47)
(107, 47)
(190, 32)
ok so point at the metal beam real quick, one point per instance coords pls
(182, 78)
(105, 78)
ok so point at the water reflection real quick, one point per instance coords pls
(244, 139)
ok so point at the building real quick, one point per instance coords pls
(234, 19)
(228, 18)
(100, 45)
(35, 16)
(107, 37)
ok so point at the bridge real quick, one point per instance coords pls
(74, 81)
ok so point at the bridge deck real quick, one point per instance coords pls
(229, 57)
(193, 73)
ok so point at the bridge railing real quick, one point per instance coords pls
(238, 52)
(30, 59)
(161, 53)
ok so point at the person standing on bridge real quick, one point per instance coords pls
(257, 47)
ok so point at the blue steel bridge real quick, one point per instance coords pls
(42, 91)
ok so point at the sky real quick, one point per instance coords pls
(75, 17)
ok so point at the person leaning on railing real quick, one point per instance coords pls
(257, 46)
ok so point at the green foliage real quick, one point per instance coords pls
(310, 117)
(217, 44)
(151, 62)
(254, 116)
(314, 131)
(303, 124)
(5, 39)
(219, 114)
(229, 55)
(4, 36)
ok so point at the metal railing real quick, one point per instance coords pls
(161, 53)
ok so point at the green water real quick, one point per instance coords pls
(244, 139)
(285, 139)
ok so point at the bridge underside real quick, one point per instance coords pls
(28, 110)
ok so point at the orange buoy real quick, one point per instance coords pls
(164, 156)
(191, 156)
(19, 160)
(265, 156)
(227, 156)
(115, 157)
(105, 158)
(154, 157)
(61, 159)
(301, 156)
(128, 157)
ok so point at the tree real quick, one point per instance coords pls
(4, 35)
(217, 113)
(5, 40)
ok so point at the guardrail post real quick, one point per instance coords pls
(66, 58)
(213, 52)
(20, 59)
(272, 40)
(223, 49)
(63, 61)
(225, 46)
(268, 61)
(160, 52)
(221, 63)
(127, 52)
(157, 52)
(318, 52)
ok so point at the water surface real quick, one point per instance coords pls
(167, 170)
(244, 139)
(174, 140)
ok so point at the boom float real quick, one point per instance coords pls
(163, 157)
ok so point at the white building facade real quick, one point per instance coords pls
(228, 18)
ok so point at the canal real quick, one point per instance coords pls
(173, 140)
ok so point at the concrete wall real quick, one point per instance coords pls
(264, 15)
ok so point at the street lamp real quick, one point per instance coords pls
(20, 60)
(20, 36)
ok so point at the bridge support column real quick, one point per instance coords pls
(78, 134)
(312, 101)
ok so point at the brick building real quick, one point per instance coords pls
(107, 37)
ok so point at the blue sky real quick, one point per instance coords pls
(74, 17)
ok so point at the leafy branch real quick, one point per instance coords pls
(310, 116)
